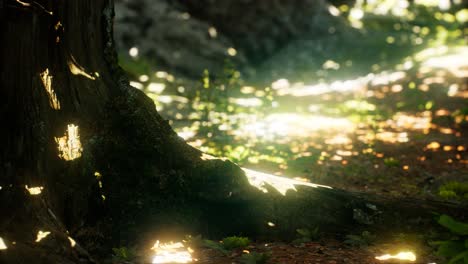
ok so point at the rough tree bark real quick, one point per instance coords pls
(128, 176)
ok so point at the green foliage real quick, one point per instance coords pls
(456, 248)
(362, 240)
(454, 190)
(122, 254)
(234, 242)
(306, 235)
(199, 242)
(227, 244)
(135, 67)
(194, 241)
(255, 258)
(215, 245)
(391, 162)
(454, 226)
(236, 154)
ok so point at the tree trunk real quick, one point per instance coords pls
(87, 158)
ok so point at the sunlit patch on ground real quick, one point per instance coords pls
(291, 125)
(409, 256)
(69, 146)
(171, 253)
(457, 63)
(283, 86)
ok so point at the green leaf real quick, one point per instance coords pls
(235, 242)
(461, 256)
(450, 248)
(453, 225)
(214, 245)
(255, 258)
(303, 232)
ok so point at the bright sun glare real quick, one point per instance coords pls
(171, 253)
(410, 256)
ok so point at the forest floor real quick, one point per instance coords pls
(330, 251)
(398, 133)
(395, 130)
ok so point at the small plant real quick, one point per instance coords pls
(224, 246)
(234, 242)
(198, 242)
(456, 248)
(255, 258)
(391, 162)
(194, 241)
(215, 245)
(362, 240)
(306, 235)
(122, 254)
(454, 190)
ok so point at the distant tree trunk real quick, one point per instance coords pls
(87, 158)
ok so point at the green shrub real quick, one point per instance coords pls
(235, 242)
(456, 248)
(227, 244)
(215, 245)
(391, 162)
(454, 190)
(122, 254)
(362, 240)
(306, 235)
(255, 258)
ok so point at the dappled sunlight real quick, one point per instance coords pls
(407, 255)
(72, 242)
(34, 190)
(387, 105)
(283, 87)
(456, 63)
(261, 180)
(339, 139)
(156, 87)
(247, 102)
(392, 137)
(433, 145)
(291, 125)
(69, 146)
(171, 253)
(186, 133)
(133, 52)
(36, 5)
(46, 79)
(77, 69)
(3, 246)
(232, 51)
(41, 235)
(420, 121)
